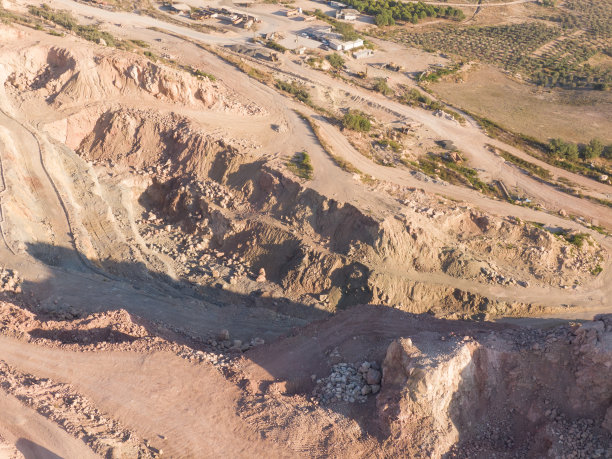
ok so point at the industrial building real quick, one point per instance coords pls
(348, 14)
(362, 53)
(333, 40)
(340, 45)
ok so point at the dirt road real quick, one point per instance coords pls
(330, 181)
(34, 435)
(158, 395)
(470, 139)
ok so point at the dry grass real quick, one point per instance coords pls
(573, 115)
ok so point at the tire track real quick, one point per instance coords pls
(2, 191)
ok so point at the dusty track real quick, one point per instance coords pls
(60, 204)
(342, 186)
(157, 394)
(34, 435)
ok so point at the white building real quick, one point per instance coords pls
(353, 44)
(340, 45)
(348, 14)
(362, 53)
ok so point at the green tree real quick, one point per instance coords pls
(593, 149)
(559, 147)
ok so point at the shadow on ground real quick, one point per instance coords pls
(308, 348)
(31, 450)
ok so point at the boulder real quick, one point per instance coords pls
(373, 376)
(223, 335)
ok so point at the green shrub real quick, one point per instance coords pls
(295, 89)
(150, 55)
(335, 60)
(275, 46)
(559, 147)
(356, 121)
(201, 75)
(577, 239)
(301, 165)
(593, 149)
(382, 87)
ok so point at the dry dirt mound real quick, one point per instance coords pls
(527, 394)
(426, 387)
(448, 388)
(322, 259)
(87, 75)
(221, 196)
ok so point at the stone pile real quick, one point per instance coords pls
(497, 278)
(214, 192)
(348, 383)
(224, 343)
(195, 260)
(9, 281)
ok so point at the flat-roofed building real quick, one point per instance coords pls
(348, 14)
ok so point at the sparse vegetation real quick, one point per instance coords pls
(382, 87)
(558, 152)
(140, 43)
(314, 61)
(68, 22)
(340, 162)
(335, 60)
(445, 169)
(414, 97)
(437, 73)
(392, 144)
(295, 89)
(201, 75)
(526, 165)
(356, 121)
(301, 165)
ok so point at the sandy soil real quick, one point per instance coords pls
(168, 262)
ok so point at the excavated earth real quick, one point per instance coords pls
(169, 287)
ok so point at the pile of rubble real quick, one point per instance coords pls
(9, 281)
(223, 343)
(195, 260)
(495, 277)
(76, 414)
(349, 384)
